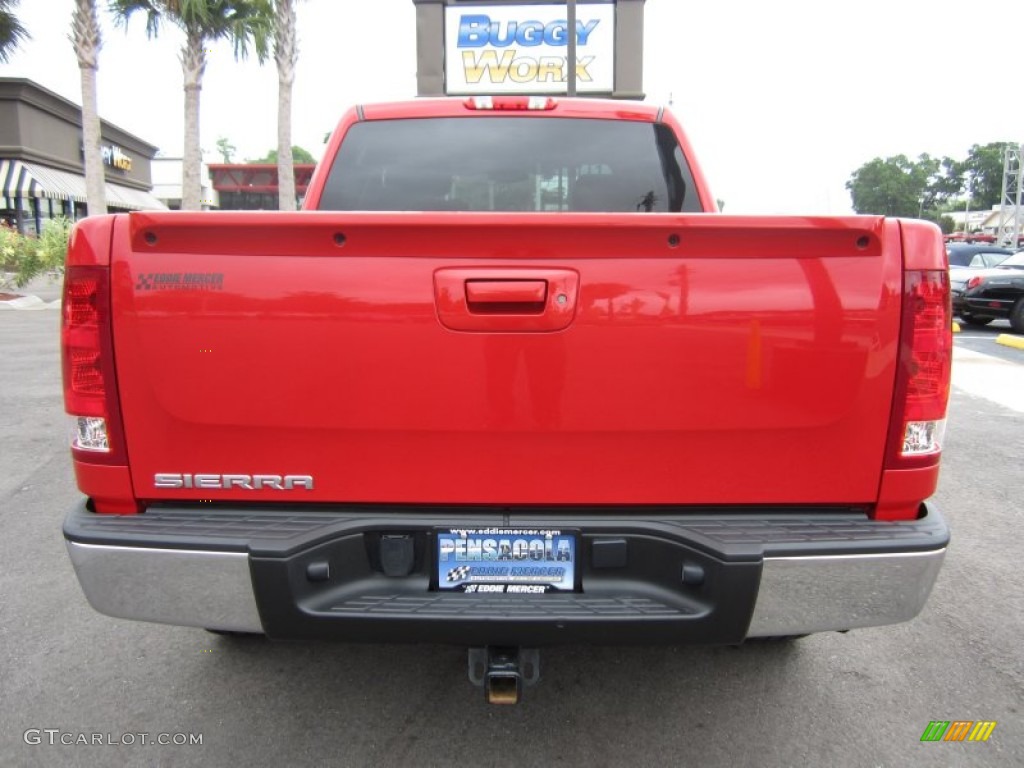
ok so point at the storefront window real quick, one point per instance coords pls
(29, 214)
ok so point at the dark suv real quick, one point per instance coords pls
(980, 255)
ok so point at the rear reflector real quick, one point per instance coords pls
(86, 377)
(923, 374)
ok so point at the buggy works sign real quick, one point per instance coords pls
(523, 49)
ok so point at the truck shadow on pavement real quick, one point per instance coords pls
(393, 702)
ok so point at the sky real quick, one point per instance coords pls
(782, 101)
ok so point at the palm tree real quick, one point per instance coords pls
(11, 31)
(286, 54)
(243, 22)
(85, 35)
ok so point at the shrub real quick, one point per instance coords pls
(25, 257)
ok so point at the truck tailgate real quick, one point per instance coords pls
(471, 358)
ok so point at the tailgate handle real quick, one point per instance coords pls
(512, 299)
(511, 295)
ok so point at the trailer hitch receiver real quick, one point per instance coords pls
(503, 671)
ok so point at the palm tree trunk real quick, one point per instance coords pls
(193, 64)
(86, 38)
(95, 186)
(285, 52)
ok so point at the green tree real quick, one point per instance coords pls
(895, 186)
(245, 23)
(85, 37)
(948, 183)
(226, 149)
(12, 33)
(939, 186)
(929, 171)
(985, 165)
(298, 154)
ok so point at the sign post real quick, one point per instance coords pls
(530, 47)
(570, 59)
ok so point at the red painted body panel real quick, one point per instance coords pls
(89, 245)
(751, 363)
(506, 358)
(922, 246)
(109, 487)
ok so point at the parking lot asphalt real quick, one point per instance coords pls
(983, 340)
(857, 699)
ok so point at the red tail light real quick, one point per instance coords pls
(974, 282)
(918, 424)
(87, 358)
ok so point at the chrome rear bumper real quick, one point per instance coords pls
(249, 575)
(168, 586)
(800, 595)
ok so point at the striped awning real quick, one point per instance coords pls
(17, 181)
(132, 199)
(25, 180)
(60, 185)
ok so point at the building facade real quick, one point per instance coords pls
(42, 173)
(167, 187)
(253, 186)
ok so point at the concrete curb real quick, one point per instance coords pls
(29, 302)
(1017, 342)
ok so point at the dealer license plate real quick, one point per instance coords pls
(506, 560)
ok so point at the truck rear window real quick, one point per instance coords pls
(509, 164)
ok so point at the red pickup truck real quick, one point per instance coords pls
(509, 380)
